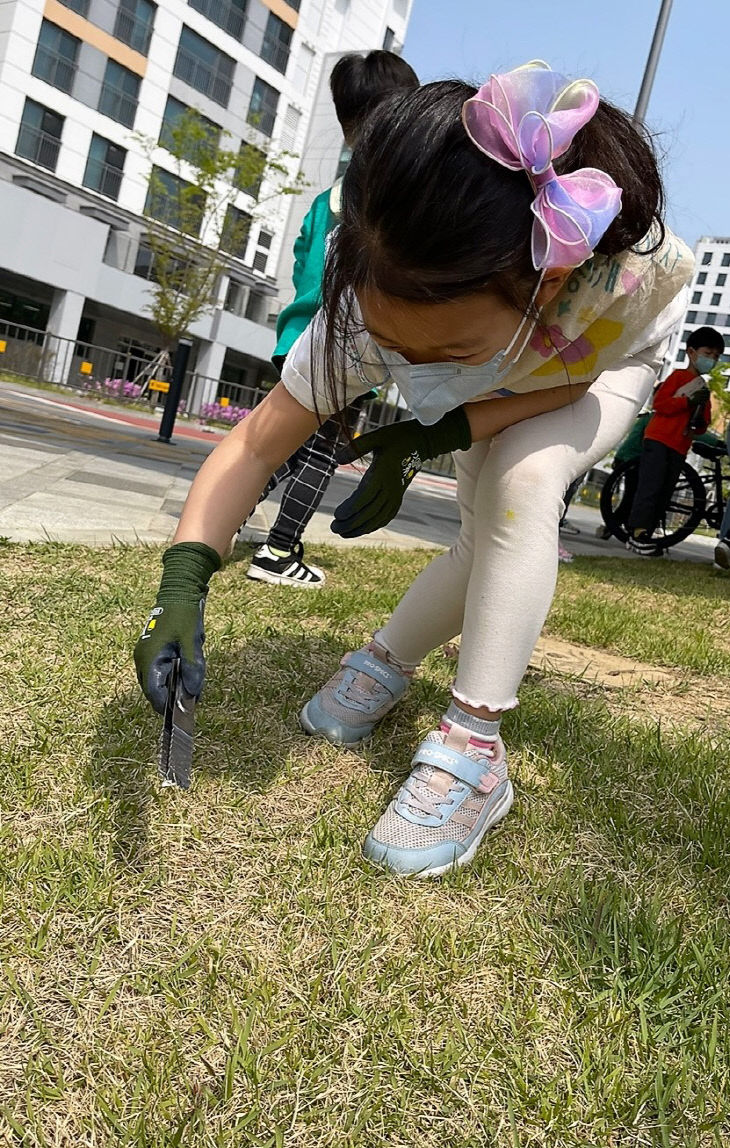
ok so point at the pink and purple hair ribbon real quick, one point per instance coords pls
(524, 120)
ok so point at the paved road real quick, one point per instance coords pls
(71, 469)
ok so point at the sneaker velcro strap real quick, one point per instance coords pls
(386, 675)
(458, 764)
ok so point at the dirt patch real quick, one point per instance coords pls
(597, 666)
(642, 690)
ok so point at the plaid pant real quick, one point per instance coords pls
(307, 474)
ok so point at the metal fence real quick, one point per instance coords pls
(40, 355)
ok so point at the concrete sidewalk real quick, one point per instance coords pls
(75, 471)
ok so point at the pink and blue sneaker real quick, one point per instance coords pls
(457, 790)
(359, 695)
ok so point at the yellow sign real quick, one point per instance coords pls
(86, 368)
(225, 402)
(159, 385)
(3, 345)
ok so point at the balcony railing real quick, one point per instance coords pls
(229, 16)
(202, 77)
(54, 69)
(133, 31)
(38, 146)
(118, 104)
(275, 53)
(103, 177)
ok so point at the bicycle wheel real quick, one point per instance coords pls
(683, 514)
(686, 508)
(617, 496)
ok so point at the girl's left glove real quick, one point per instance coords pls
(399, 451)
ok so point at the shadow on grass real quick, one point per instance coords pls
(637, 788)
(247, 728)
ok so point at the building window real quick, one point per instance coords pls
(696, 296)
(691, 316)
(715, 300)
(235, 231)
(134, 22)
(144, 262)
(256, 307)
(721, 279)
(262, 108)
(681, 355)
(119, 94)
(277, 43)
(174, 111)
(104, 167)
(726, 259)
(230, 15)
(79, 6)
(202, 66)
(706, 258)
(236, 297)
(174, 201)
(252, 164)
(39, 138)
(388, 40)
(55, 56)
(702, 278)
(711, 317)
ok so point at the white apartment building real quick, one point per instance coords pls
(78, 79)
(709, 298)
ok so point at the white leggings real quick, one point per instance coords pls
(495, 585)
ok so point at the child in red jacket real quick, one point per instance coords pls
(681, 411)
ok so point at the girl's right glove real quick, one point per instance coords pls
(174, 628)
(399, 451)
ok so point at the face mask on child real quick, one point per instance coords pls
(431, 390)
(704, 364)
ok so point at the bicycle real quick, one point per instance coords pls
(697, 496)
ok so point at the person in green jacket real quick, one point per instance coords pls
(358, 84)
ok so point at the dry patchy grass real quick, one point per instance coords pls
(222, 969)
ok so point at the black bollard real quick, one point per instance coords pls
(179, 366)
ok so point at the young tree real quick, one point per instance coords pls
(719, 384)
(195, 232)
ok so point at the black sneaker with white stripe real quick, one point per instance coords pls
(284, 570)
(645, 546)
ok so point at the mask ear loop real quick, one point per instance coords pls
(527, 315)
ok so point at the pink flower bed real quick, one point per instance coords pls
(214, 412)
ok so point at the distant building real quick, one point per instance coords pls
(709, 298)
(79, 77)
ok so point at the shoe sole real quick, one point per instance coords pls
(281, 580)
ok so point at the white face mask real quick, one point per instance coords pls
(431, 390)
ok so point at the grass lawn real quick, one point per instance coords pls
(222, 969)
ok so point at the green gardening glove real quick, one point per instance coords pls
(399, 451)
(174, 628)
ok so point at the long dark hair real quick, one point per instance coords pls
(427, 217)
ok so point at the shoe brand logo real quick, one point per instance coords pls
(435, 755)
